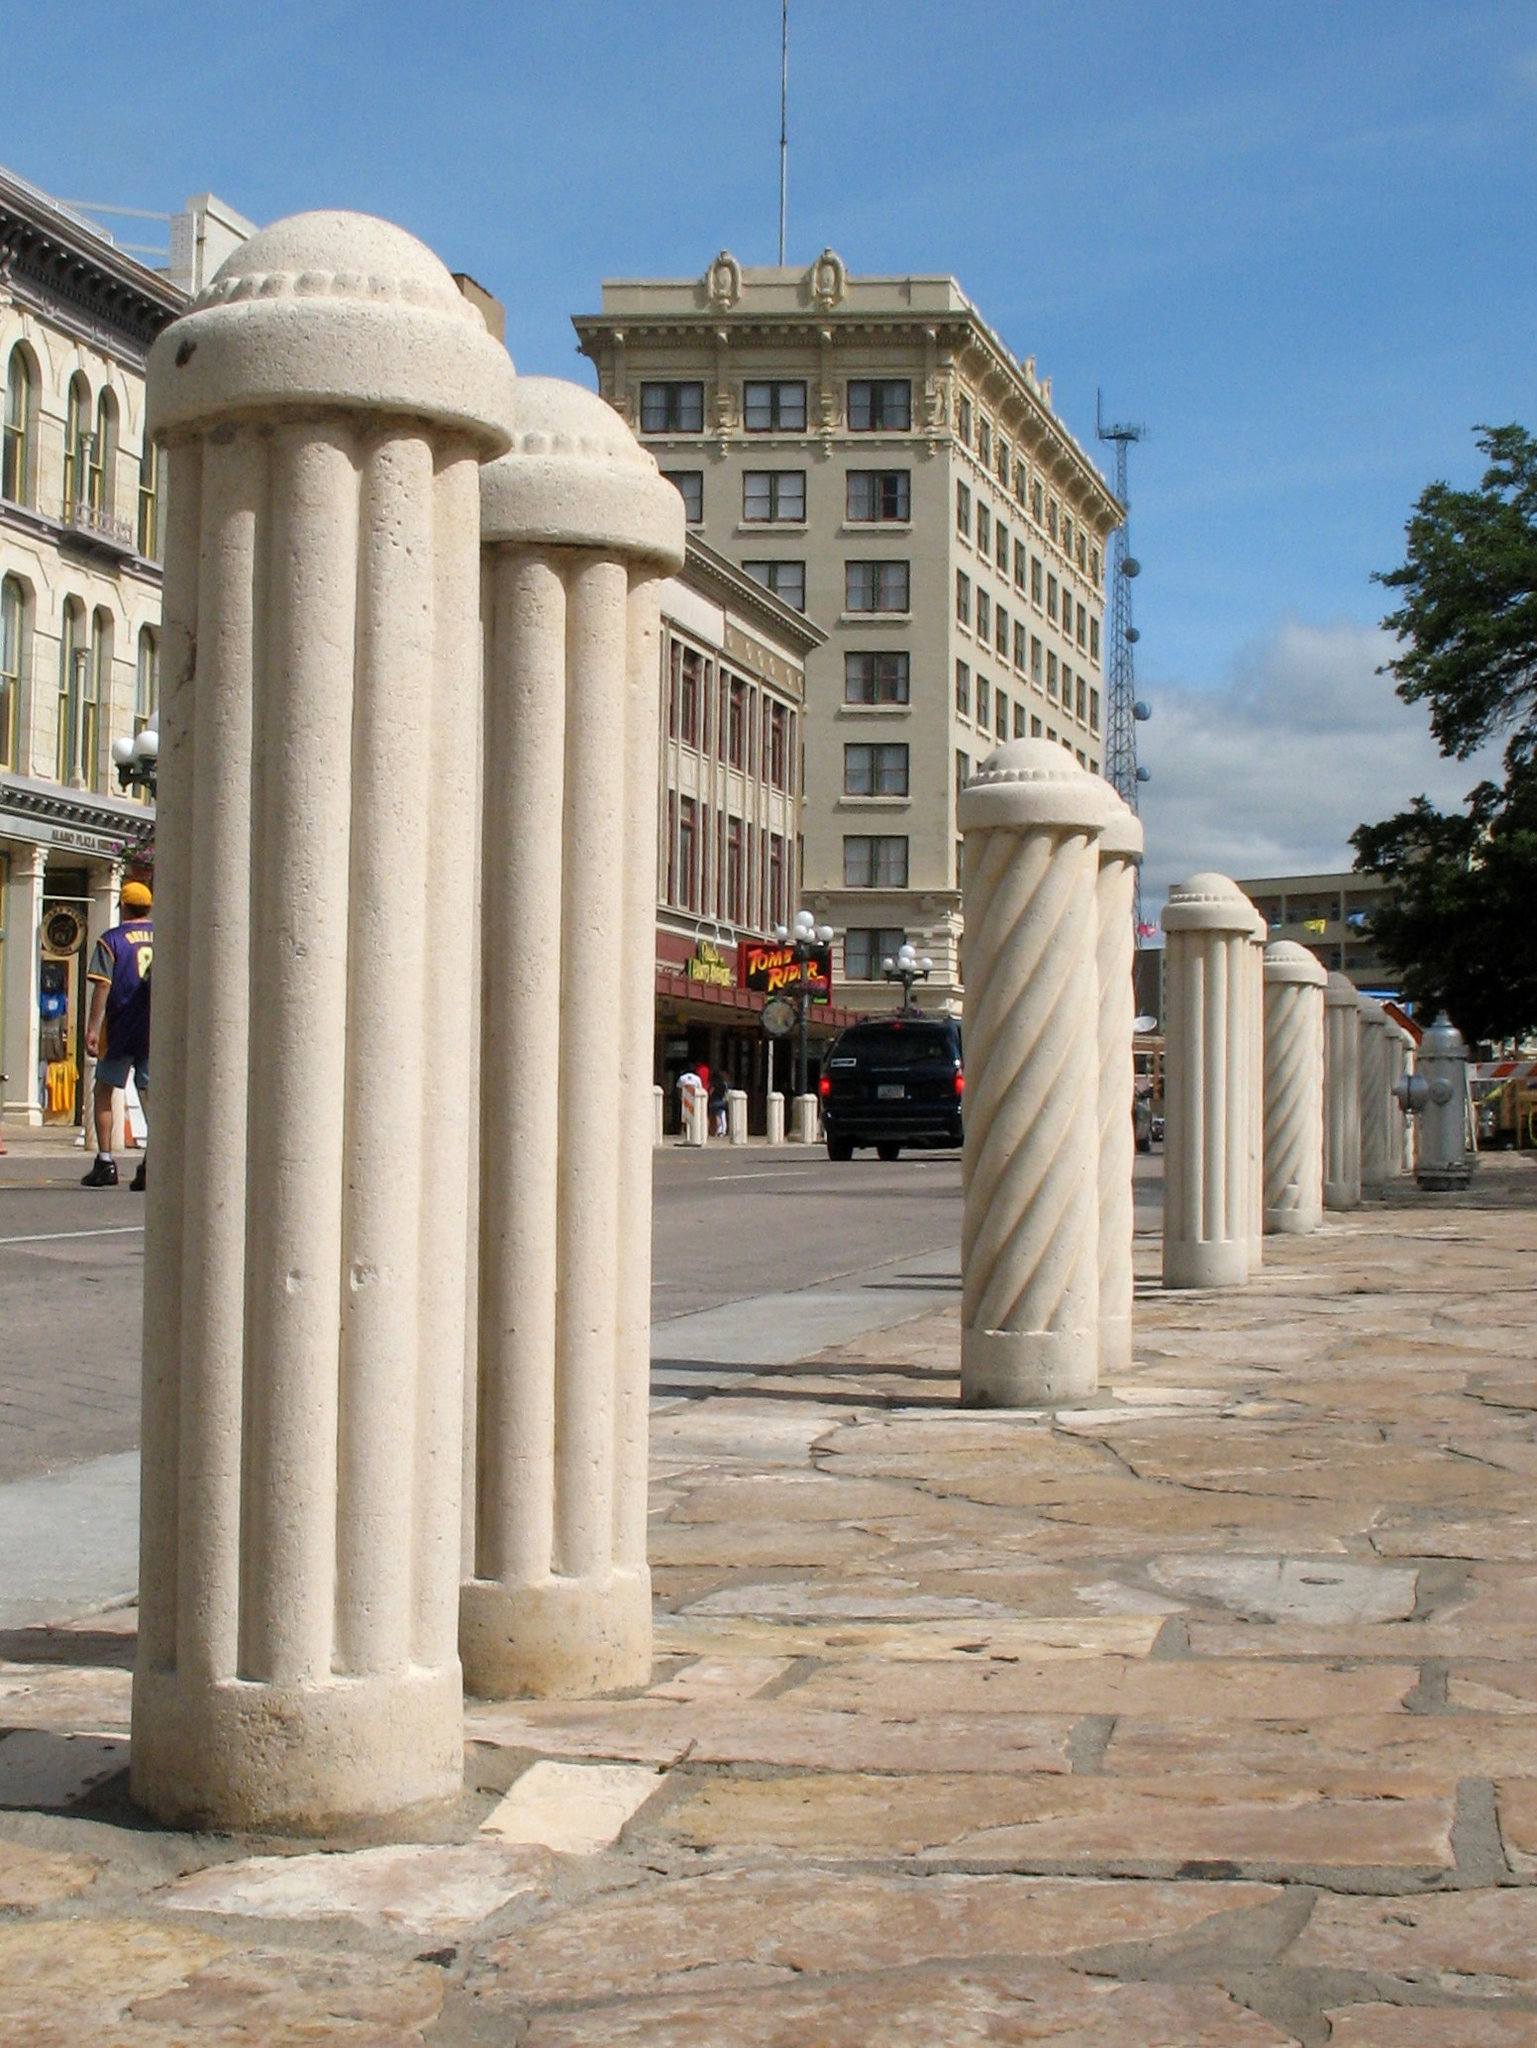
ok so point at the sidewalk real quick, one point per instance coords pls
(1204, 1715)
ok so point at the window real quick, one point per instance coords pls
(963, 689)
(1021, 567)
(1019, 721)
(1094, 641)
(963, 597)
(963, 418)
(774, 408)
(984, 616)
(95, 699)
(1093, 711)
(963, 509)
(1002, 722)
(73, 663)
(984, 530)
(985, 443)
(1096, 566)
(777, 747)
(736, 871)
(874, 863)
(1051, 599)
(1082, 758)
(1037, 580)
(983, 689)
(1021, 483)
(874, 770)
(787, 580)
(1001, 635)
(1035, 728)
(688, 853)
(1051, 678)
(774, 494)
(734, 723)
(880, 494)
(672, 408)
(1083, 698)
(20, 410)
(1051, 517)
(1021, 646)
(688, 483)
(880, 405)
(875, 587)
(151, 498)
(1037, 504)
(777, 892)
(1003, 462)
(146, 681)
(1083, 626)
(865, 950)
(1002, 548)
(1083, 552)
(962, 772)
(872, 678)
(77, 445)
(688, 680)
(101, 470)
(1067, 534)
(13, 647)
(1035, 660)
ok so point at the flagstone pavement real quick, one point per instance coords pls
(1201, 1714)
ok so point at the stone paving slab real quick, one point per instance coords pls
(1203, 1713)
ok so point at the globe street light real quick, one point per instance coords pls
(137, 760)
(806, 938)
(906, 967)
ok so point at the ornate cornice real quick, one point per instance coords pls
(101, 817)
(52, 262)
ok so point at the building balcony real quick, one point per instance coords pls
(101, 531)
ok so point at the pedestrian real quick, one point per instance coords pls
(117, 1028)
(717, 1105)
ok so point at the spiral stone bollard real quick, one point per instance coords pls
(1342, 1094)
(1376, 1103)
(1120, 849)
(1030, 1168)
(1210, 1076)
(1294, 1089)
(577, 527)
(326, 404)
(1400, 1126)
(1254, 1043)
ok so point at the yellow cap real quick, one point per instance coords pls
(135, 896)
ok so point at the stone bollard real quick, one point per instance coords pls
(1376, 1103)
(658, 1114)
(1120, 850)
(736, 1116)
(326, 403)
(1294, 1089)
(775, 1120)
(1342, 1094)
(1030, 1168)
(577, 527)
(1209, 1078)
(1254, 1036)
(1400, 1047)
(803, 1120)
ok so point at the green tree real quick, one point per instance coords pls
(1459, 924)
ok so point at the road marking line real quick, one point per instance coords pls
(773, 1173)
(54, 1236)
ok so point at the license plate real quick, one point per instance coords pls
(890, 1091)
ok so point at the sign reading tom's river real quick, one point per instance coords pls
(772, 970)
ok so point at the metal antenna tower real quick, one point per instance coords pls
(784, 124)
(1124, 713)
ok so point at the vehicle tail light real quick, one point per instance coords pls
(824, 1086)
(960, 1084)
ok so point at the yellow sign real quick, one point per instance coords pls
(708, 964)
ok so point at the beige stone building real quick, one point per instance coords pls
(1331, 916)
(869, 450)
(81, 517)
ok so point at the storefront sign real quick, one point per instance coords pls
(708, 964)
(770, 969)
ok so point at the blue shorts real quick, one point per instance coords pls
(113, 1073)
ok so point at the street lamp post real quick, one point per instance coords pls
(906, 967)
(804, 939)
(137, 761)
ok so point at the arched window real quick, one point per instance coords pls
(13, 666)
(151, 499)
(74, 662)
(146, 693)
(20, 411)
(101, 487)
(96, 699)
(77, 445)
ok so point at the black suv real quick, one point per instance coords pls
(892, 1082)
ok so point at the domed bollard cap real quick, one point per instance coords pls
(334, 309)
(1287, 963)
(1339, 991)
(1208, 903)
(1035, 783)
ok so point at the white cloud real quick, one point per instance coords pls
(1270, 773)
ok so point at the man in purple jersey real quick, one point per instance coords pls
(117, 1029)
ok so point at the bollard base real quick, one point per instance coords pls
(295, 1759)
(1223, 1264)
(1292, 1222)
(557, 1638)
(1028, 1368)
(1341, 1195)
(1114, 1347)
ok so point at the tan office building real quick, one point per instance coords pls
(1331, 916)
(869, 450)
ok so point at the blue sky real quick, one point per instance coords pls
(1295, 239)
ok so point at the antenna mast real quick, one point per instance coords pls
(1124, 712)
(784, 107)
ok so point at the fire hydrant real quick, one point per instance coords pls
(1438, 1095)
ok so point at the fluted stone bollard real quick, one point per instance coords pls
(774, 1128)
(1254, 1034)
(1376, 1103)
(658, 1114)
(1294, 1089)
(1030, 1168)
(1210, 1077)
(1400, 1063)
(327, 403)
(1342, 1094)
(1120, 850)
(736, 1116)
(803, 1120)
(578, 526)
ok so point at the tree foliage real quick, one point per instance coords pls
(1459, 924)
